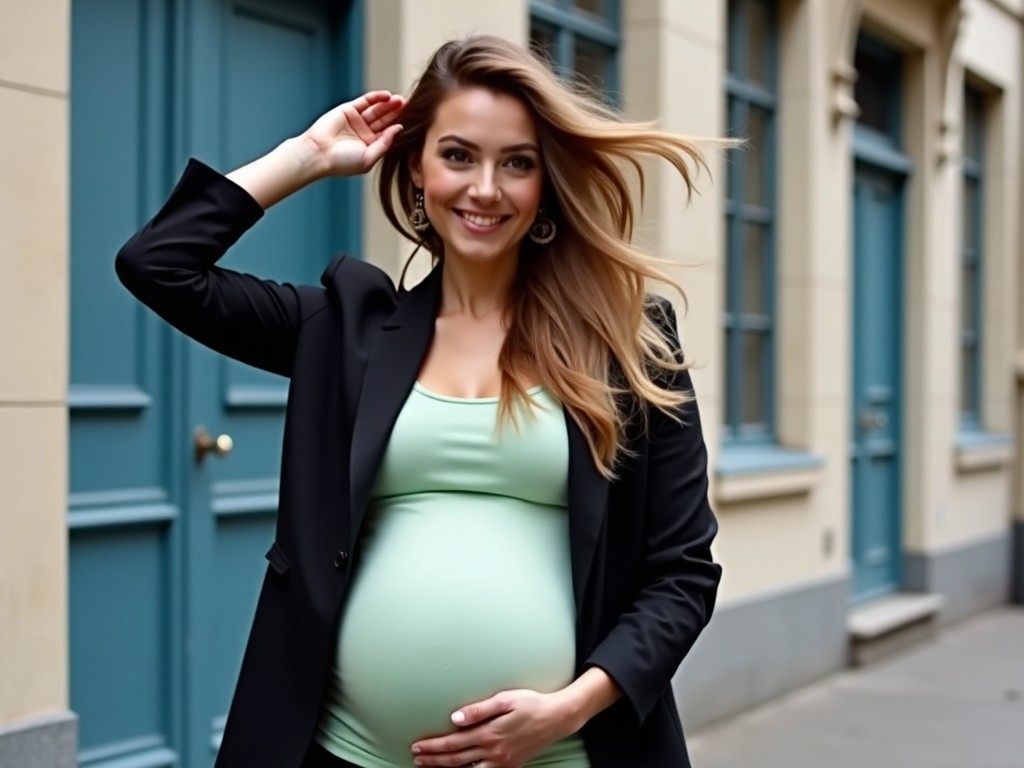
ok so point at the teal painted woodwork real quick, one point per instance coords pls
(972, 260)
(166, 553)
(876, 408)
(880, 173)
(750, 211)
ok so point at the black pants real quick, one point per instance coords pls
(318, 757)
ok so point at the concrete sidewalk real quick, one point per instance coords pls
(954, 702)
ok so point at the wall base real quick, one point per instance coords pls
(1017, 586)
(42, 742)
(972, 578)
(759, 648)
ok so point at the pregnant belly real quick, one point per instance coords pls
(456, 597)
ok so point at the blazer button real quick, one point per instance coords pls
(339, 559)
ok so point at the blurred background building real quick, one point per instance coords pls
(853, 282)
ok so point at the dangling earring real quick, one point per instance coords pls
(543, 230)
(418, 218)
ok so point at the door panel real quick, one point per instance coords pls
(876, 386)
(124, 504)
(120, 679)
(166, 551)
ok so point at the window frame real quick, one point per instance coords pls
(972, 254)
(741, 96)
(569, 24)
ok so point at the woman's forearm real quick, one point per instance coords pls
(292, 165)
(590, 693)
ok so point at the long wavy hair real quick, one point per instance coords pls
(578, 316)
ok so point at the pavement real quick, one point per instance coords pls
(956, 701)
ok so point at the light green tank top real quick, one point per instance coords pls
(463, 583)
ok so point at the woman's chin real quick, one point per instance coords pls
(475, 254)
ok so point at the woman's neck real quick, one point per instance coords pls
(477, 288)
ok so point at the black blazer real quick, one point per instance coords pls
(643, 576)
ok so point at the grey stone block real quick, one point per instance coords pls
(973, 578)
(755, 650)
(44, 742)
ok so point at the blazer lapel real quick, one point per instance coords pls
(395, 359)
(588, 499)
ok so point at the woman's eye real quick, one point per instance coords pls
(521, 163)
(456, 155)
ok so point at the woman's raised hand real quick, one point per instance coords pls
(346, 141)
(353, 136)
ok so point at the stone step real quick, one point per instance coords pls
(891, 623)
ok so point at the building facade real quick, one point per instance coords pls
(852, 276)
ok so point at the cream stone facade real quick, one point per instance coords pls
(33, 378)
(785, 614)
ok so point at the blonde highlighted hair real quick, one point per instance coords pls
(579, 315)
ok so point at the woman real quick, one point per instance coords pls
(493, 545)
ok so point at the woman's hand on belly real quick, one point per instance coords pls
(504, 731)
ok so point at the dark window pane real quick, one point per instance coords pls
(753, 277)
(734, 129)
(544, 41)
(968, 298)
(592, 62)
(730, 406)
(753, 378)
(968, 397)
(873, 92)
(755, 41)
(734, 43)
(970, 215)
(730, 266)
(755, 176)
(973, 124)
(596, 7)
(736, 122)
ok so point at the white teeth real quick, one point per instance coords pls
(480, 221)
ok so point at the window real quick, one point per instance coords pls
(971, 257)
(750, 223)
(580, 37)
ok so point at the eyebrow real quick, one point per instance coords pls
(526, 146)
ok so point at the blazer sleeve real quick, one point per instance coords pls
(679, 577)
(170, 266)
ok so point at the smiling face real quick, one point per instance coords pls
(481, 174)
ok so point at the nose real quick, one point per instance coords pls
(485, 188)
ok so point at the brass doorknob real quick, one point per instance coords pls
(207, 444)
(870, 419)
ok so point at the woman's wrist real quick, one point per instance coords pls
(590, 693)
(312, 163)
(293, 164)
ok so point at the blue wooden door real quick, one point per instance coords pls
(275, 71)
(877, 329)
(166, 548)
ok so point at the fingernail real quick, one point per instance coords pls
(458, 718)
(416, 750)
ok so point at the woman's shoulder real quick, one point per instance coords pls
(655, 302)
(354, 284)
(662, 313)
(346, 274)
(366, 297)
